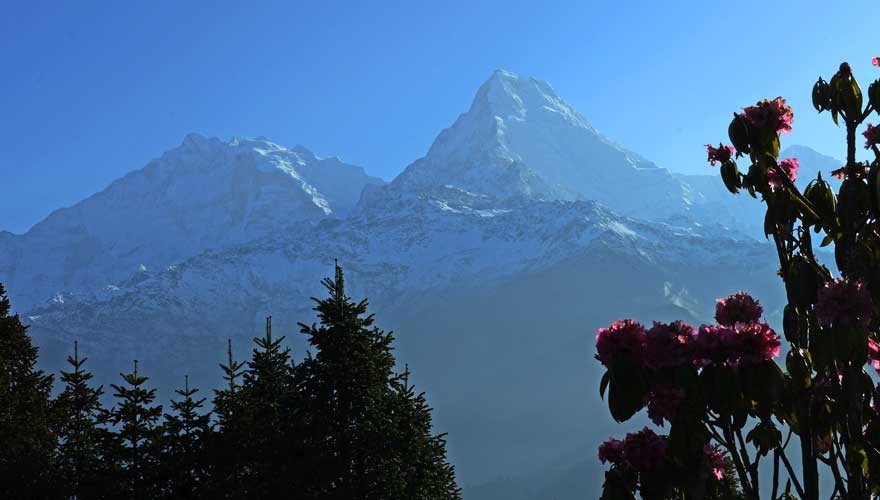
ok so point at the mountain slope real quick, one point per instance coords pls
(490, 308)
(207, 193)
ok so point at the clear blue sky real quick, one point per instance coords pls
(91, 90)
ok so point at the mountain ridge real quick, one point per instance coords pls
(202, 194)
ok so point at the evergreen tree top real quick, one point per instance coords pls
(5, 305)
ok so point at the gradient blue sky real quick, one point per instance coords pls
(91, 90)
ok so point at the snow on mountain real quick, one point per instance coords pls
(206, 193)
(430, 270)
(520, 140)
(425, 249)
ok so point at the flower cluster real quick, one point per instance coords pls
(789, 166)
(643, 451)
(713, 345)
(720, 154)
(668, 345)
(875, 61)
(611, 451)
(737, 338)
(623, 339)
(844, 303)
(739, 307)
(872, 136)
(755, 342)
(743, 343)
(774, 115)
(646, 452)
(663, 403)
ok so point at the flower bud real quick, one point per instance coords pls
(874, 95)
(730, 176)
(738, 132)
(846, 95)
(803, 280)
(821, 95)
(854, 202)
(791, 323)
(821, 196)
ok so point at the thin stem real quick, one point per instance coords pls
(838, 479)
(737, 462)
(791, 474)
(775, 474)
(752, 467)
(850, 145)
(787, 439)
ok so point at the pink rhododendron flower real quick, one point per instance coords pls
(742, 343)
(756, 342)
(721, 153)
(645, 451)
(789, 166)
(713, 344)
(667, 345)
(623, 339)
(872, 136)
(875, 61)
(773, 115)
(716, 461)
(844, 303)
(611, 451)
(663, 403)
(737, 308)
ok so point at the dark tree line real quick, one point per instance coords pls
(341, 424)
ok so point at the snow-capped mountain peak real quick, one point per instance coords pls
(511, 97)
(520, 140)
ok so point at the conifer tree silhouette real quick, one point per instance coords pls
(26, 438)
(270, 449)
(137, 443)
(369, 434)
(78, 423)
(184, 470)
(227, 442)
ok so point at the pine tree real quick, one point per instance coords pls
(184, 469)
(270, 450)
(369, 434)
(78, 417)
(26, 439)
(423, 473)
(136, 450)
(227, 442)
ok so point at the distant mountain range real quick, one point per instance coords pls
(495, 257)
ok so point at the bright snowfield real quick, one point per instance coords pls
(494, 258)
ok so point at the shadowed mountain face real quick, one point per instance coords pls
(495, 257)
